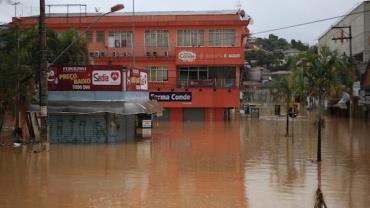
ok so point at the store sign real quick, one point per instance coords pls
(106, 77)
(85, 78)
(171, 96)
(187, 56)
(210, 56)
(137, 79)
(356, 88)
(147, 123)
(143, 81)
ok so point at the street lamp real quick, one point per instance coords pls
(44, 65)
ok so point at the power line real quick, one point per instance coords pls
(308, 23)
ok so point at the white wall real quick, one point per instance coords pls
(357, 21)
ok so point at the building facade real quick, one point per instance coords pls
(351, 36)
(358, 21)
(193, 59)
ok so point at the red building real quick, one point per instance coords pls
(193, 59)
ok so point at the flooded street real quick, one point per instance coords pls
(247, 163)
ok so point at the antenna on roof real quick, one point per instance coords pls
(238, 5)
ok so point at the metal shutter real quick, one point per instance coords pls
(77, 128)
(193, 114)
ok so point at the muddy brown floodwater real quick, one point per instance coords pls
(247, 163)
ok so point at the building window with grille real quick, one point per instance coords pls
(120, 39)
(222, 37)
(100, 36)
(156, 39)
(89, 36)
(190, 38)
(157, 74)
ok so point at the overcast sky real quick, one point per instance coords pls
(267, 14)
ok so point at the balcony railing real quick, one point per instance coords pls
(207, 83)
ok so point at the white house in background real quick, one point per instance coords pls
(358, 21)
(292, 52)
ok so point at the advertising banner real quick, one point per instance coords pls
(171, 96)
(85, 78)
(137, 79)
(210, 56)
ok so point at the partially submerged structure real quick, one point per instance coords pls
(94, 104)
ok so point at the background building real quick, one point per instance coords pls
(358, 20)
(193, 59)
(351, 36)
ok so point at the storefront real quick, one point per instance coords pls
(94, 104)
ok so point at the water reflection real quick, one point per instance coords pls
(283, 170)
(238, 164)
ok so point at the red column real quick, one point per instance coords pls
(176, 114)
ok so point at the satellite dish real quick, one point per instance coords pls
(242, 13)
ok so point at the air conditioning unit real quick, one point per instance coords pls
(148, 54)
(154, 53)
(166, 53)
(97, 54)
(115, 54)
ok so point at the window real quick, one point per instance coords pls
(89, 36)
(120, 39)
(156, 38)
(222, 37)
(193, 73)
(157, 74)
(100, 36)
(190, 38)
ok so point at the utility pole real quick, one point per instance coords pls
(349, 37)
(43, 90)
(133, 34)
(17, 87)
(15, 8)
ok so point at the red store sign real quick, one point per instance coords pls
(85, 78)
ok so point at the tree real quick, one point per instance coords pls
(57, 42)
(13, 70)
(21, 63)
(326, 75)
(282, 90)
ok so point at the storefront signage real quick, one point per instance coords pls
(210, 56)
(85, 78)
(187, 56)
(171, 96)
(137, 79)
(147, 123)
(106, 77)
(143, 81)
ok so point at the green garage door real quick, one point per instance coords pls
(194, 114)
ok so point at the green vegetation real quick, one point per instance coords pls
(269, 52)
(322, 76)
(22, 63)
(282, 90)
